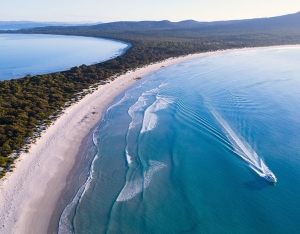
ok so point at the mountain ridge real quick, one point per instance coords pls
(24, 24)
(289, 20)
(282, 21)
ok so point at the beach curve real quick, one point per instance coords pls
(28, 196)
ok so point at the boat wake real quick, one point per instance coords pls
(244, 150)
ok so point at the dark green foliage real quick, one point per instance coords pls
(3, 161)
(29, 102)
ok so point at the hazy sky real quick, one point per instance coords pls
(120, 10)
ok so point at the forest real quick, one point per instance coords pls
(30, 104)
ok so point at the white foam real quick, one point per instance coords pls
(65, 226)
(123, 99)
(163, 102)
(128, 157)
(243, 149)
(136, 113)
(163, 84)
(150, 118)
(132, 188)
(150, 121)
(139, 106)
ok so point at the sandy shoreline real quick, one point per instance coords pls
(30, 194)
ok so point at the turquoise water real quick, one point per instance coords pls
(186, 149)
(40, 54)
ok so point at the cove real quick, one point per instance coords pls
(38, 54)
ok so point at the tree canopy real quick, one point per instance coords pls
(29, 104)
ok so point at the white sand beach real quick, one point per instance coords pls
(29, 194)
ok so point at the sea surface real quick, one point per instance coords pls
(187, 148)
(37, 54)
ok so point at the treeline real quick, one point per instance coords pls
(28, 105)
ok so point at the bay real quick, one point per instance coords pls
(37, 54)
(187, 148)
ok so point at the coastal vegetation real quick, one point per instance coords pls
(30, 104)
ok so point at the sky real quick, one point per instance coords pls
(137, 10)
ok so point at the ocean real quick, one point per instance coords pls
(37, 54)
(187, 150)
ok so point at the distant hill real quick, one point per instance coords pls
(278, 22)
(291, 20)
(16, 25)
(156, 25)
(142, 25)
(285, 21)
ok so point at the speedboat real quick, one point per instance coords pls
(270, 177)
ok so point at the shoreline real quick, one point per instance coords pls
(39, 71)
(75, 180)
(47, 166)
(29, 196)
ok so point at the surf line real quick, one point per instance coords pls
(243, 149)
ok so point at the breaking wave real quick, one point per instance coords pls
(65, 225)
(150, 116)
(134, 187)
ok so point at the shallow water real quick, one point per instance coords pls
(40, 54)
(185, 150)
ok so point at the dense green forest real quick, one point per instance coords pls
(28, 105)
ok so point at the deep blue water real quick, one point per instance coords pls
(21, 55)
(185, 150)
